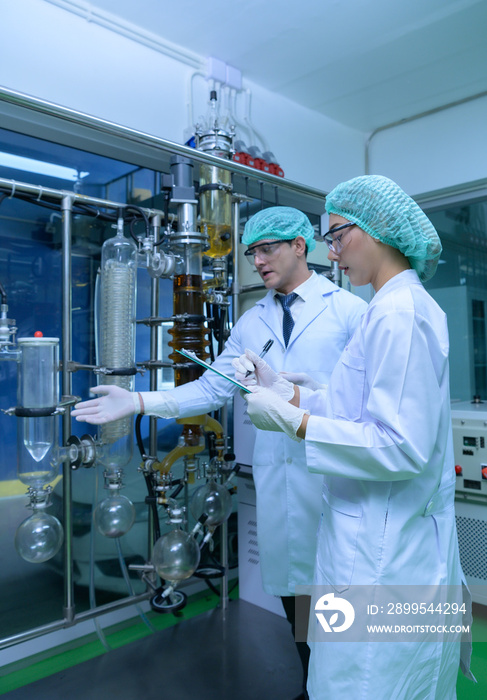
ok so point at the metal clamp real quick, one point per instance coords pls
(84, 452)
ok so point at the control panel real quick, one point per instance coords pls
(469, 421)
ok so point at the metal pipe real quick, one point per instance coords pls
(154, 352)
(25, 187)
(224, 563)
(154, 347)
(406, 120)
(224, 559)
(141, 138)
(236, 241)
(252, 288)
(336, 274)
(235, 314)
(67, 208)
(63, 624)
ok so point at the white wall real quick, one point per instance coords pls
(51, 53)
(438, 151)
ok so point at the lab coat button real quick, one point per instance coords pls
(289, 460)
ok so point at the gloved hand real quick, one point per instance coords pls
(261, 375)
(114, 403)
(268, 411)
(302, 379)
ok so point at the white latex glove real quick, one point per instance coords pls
(261, 375)
(112, 404)
(268, 411)
(302, 379)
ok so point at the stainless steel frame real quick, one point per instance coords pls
(67, 199)
(41, 119)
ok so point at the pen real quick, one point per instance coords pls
(265, 350)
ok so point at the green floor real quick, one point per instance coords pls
(466, 690)
(27, 671)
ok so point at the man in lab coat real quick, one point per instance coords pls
(309, 333)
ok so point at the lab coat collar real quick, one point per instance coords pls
(403, 279)
(307, 289)
(309, 293)
(268, 314)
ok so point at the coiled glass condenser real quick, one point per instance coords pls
(116, 337)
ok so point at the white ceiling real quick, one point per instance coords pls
(364, 63)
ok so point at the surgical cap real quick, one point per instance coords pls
(280, 224)
(387, 213)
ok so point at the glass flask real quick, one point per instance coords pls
(114, 516)
(214, 500)
(176, 555)
(39, 537)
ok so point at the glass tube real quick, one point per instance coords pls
(117, 337)
(216, 209)
(189, 331)
(37, 436)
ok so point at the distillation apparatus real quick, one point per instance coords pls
(176, 252)
(175, 555)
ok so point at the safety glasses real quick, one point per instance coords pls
(334, 242)
(265, 251)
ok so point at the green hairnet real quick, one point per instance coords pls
(280, 224)
(387, 213)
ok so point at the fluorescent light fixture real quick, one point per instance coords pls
(9, 160)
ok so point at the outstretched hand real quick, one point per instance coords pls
(112, 404)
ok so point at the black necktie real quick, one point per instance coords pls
(287, 321)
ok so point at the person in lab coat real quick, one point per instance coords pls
(381, 436)
(324, 318)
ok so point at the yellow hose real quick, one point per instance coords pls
(208, 424)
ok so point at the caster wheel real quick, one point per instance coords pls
(171, 603)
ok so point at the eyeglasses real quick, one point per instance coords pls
(334, 242)
(265, 251)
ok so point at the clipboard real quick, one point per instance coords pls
(192, 356)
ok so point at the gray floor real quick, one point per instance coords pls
(31, 595)
(245, 654)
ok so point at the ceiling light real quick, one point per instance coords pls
(9, 160)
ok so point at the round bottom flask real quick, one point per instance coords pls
(39, 537)
(214, 500)
(176, 555)
(114, 516)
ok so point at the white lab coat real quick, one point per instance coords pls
(288, 496)
(382, 438)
